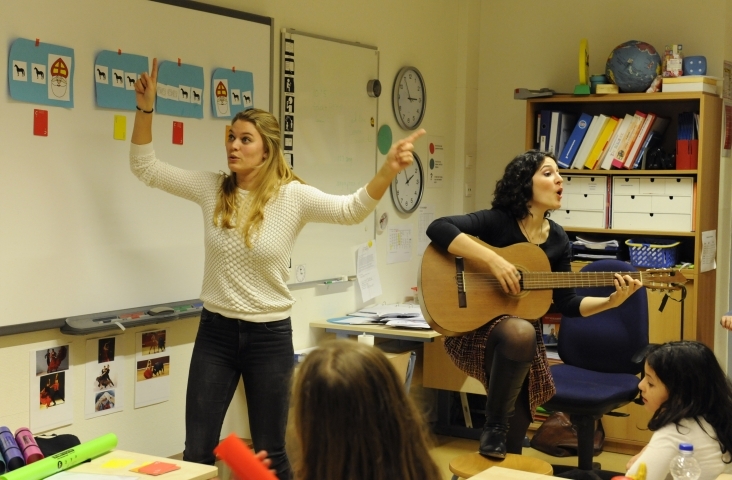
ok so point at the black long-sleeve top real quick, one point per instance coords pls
(499, 229)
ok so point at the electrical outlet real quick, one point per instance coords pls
(468, 190)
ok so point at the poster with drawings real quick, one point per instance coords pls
(152, 368)
(41, 73)
(105, 366)
(50, 380)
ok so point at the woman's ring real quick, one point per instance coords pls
(625, 287)
(517, 274)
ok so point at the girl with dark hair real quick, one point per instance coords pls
(507, 354)
(252, 216)
(353, 419)
(691, 401)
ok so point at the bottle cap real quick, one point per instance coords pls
(686, 447)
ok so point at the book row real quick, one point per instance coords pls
(599, 141)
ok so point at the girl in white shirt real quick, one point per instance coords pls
(691, 401)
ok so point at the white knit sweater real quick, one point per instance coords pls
(239, 282)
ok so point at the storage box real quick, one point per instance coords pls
(690, 83)
(687, 154)
(659, 254)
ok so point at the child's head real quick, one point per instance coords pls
(354, 420)
(683, 380)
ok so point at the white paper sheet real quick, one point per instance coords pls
(426, 214)
(51, 387)
(709, 251)
(105, 367)
(400, 244)
(152, 368)
(367, 273)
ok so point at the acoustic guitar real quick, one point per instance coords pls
(459, 296)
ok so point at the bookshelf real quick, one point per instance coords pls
(698, 314)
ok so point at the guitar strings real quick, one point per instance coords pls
(548, 280)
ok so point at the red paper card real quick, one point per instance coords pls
(40, 122)
(156, 468)
(178, 133)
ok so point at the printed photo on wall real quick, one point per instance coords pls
(52, 359)
(50, 379)
(105, 367)
(152, 368)
(104, 401)
(153, 342)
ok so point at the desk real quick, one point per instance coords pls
(500, 473)
(188, 470)
(382, 331)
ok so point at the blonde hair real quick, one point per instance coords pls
(354, 420)
(272, 174)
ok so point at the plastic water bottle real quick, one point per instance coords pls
(684, 466)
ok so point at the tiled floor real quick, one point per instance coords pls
(447, 448)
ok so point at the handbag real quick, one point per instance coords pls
(558, 437)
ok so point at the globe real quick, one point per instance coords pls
(632, 66)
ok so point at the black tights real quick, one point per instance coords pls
(514, 338)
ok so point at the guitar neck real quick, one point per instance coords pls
(550, 280)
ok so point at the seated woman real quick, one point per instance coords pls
(691, 401)
(354, 420)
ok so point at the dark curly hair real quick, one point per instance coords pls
(697, 388)
(515, 189)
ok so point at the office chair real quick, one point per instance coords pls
(601, 355)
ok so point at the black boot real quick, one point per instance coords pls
(506, 378)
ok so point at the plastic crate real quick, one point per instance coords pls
(652, 253)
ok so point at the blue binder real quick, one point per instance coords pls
(574, 141)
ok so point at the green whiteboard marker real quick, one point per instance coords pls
(64, 460)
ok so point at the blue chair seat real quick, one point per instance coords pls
(586, 392)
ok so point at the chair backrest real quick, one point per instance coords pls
(607, 341)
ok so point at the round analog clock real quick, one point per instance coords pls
(408, 186)
(409, 98)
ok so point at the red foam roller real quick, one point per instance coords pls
(240, 458)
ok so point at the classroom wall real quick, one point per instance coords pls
(526, 43)
(409, 32)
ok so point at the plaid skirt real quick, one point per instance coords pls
(468, 354)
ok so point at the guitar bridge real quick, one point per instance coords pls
(460, 277)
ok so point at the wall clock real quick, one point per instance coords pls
(409, 98)
(408, 186)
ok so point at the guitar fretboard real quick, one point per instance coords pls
(548, 280)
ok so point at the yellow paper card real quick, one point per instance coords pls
(120, 127)
(117, 463)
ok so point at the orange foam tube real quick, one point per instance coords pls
(240, 458)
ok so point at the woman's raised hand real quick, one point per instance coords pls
(400, 155)
(146, 88)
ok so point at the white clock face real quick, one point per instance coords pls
(409, 98)
(408, 186)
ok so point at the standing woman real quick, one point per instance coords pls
(507, 354)
(252, 217)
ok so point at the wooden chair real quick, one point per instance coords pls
(465, 466)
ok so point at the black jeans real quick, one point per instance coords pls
(263, 355)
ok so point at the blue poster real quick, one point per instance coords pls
(115, 74)
(41, 73)
(231, 92)
(180, 90)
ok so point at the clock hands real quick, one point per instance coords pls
(409, 95)
(410, 179)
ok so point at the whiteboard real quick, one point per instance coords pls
(329, 127)
(79, 233)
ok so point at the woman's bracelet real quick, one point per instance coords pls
(145, 111)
